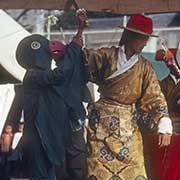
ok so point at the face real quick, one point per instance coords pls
(8, 129)
(138, 44)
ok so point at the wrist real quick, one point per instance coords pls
(78, 40)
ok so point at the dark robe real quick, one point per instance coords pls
(172, 94)
(49, 100)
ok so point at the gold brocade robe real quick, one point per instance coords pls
(172, 95)
(115, 142)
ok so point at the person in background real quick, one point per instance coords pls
(167, 160)
(130, 95)
(11, 123)
(170, 84)
(75, 166)
(5, 150)
(6, 139)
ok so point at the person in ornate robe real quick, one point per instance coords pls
(130, 95)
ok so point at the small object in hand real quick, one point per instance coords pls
(81, 11)
(83, 19)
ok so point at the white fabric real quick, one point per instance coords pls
(178, 55)
(174, 79)
(11, 33)
(18, 135)
(6, 98)
(123, 64)
(22, 117)
(178, 102)
(165, 126)
(16, 139)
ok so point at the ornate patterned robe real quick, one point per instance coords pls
(115, 142)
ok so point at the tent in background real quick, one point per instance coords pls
(10, 35)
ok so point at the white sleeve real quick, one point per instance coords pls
(165, 125)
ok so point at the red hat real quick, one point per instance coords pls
(58, 49)
(140, 24)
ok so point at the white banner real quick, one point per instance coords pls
(7, 94)
(10, 35)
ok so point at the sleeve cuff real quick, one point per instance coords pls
(165, 125)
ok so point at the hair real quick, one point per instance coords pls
(129, 36)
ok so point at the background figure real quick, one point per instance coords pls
(167, 166)
(12, 122)
(170, 84)
(6, 139)
(5, 150)
(129, 95)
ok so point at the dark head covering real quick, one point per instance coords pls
(33, 51)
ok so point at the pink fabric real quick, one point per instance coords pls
(166, 160)
(58, 49)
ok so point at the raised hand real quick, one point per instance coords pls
(82, 17)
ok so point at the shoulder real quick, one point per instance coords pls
(74, 44)
(166, 80)
(32, 75)
(146, 68)
(145, 62)
(102, 50)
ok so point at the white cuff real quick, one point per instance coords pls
(165, 125)
(178, 102)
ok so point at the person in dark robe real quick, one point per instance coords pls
(52, 103)
(75, 152)
(53, 109)
(75, 161)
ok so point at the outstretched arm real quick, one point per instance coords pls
(83, 23)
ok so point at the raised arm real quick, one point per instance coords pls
(74, 51)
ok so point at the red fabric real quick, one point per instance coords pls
(161, 53)
(140, 23)
(166, 160)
